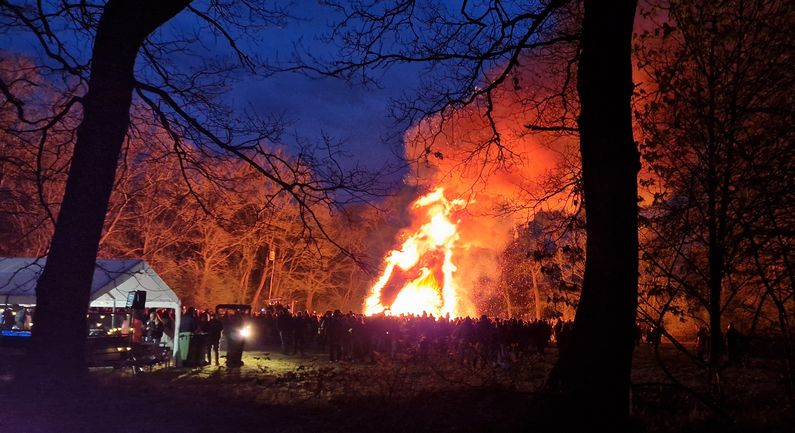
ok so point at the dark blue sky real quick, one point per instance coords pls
(356, 116)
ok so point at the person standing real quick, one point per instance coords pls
(702, 341)
(167, 319)
(138, 326)
(213, 327)
(19, 319)
(154, 328)
(734, 341)
(187, 327)
(188, 323)
(8, 318)
(299, 333)
(333, 328)
(284, 323)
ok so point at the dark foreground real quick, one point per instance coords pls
(273, 393)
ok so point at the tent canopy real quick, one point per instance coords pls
(113, 280)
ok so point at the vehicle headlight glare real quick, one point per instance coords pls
(245, 331)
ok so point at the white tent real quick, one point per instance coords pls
(113, 280)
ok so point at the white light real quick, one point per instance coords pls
(245, 332)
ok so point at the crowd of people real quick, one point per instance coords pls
(16, 318)
(354, 337)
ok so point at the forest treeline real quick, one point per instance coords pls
(713, 121)
(210, 229)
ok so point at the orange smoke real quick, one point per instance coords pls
(491, 186)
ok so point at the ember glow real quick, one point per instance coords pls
(426, 261)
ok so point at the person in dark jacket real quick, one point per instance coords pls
(213, 327)
(188, 323)
(299, 325)
(284, 323)
(8, 318)
(333, 328)
(734, 344)
(154, 328)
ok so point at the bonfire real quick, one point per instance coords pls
(420, 276)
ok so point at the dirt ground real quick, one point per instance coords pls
(277, 393)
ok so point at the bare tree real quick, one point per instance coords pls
(716, 116)
(546, 259)
(133, 56)
(470, 53)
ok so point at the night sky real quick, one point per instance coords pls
(349, 113)
(354, 114)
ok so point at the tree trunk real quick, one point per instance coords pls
(593, 375)
(310, 298)
(508, 304)
(263, 279)
(245, 278)
(202, 293)
(536, 292)
(63, 290)
(715, 240)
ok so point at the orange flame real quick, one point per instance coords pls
(424, 293)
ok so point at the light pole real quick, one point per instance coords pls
(272, 259)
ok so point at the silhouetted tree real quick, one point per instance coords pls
(594, 374)
(130, 57)
(471, 54)
(716, 113)
(543, 266)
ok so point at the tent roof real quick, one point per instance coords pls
(113, 280)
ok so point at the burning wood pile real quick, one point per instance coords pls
(420, 276)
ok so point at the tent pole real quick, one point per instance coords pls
(177, 320)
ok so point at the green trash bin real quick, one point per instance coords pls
(191, 349)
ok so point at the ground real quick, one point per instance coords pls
(276, 393)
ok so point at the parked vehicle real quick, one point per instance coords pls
(237, 329)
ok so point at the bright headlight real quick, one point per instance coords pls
(245, 331)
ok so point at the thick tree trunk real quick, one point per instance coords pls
(63, 291)
(310, 299)
(593, 375)
(715, 286)
(263, 279)
(714, 243)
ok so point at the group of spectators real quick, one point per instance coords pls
(17, 318)
(732, 343)
(147, 326)
(354, 337)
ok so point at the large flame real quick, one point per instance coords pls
(424, 293)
